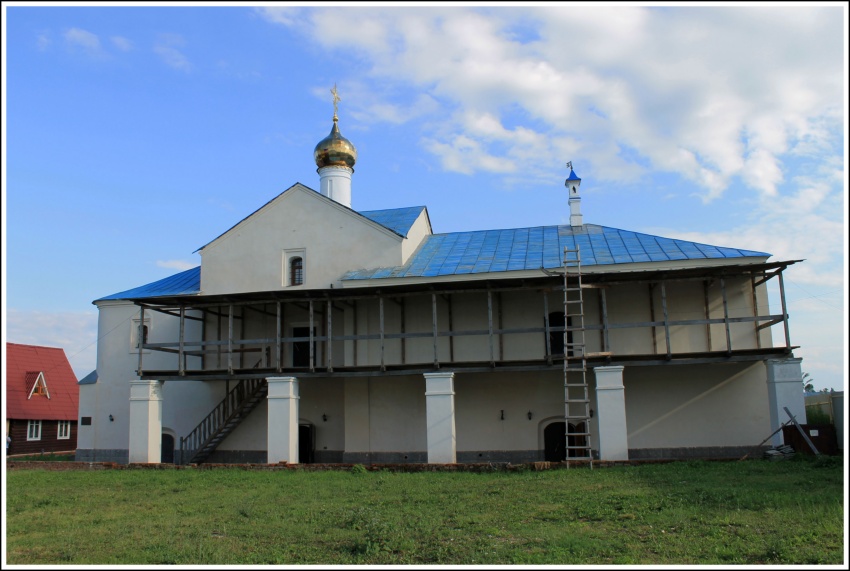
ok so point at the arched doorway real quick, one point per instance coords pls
(167, 453)
(556, 437)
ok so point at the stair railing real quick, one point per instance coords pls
(215, 419)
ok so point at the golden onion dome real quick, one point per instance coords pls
(335, 150)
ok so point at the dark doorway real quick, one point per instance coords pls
(301, 349)
(306, 443)
(167, 454)
(556, 338)
(555, 442)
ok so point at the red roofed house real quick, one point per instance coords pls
(42, 400)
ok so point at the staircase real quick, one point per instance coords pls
(224, 418)
(576, 395)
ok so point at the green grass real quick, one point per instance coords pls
(753, 512)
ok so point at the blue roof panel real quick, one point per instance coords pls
(399, 220)
(487, 251)
(184, 283)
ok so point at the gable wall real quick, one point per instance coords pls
(250, 257)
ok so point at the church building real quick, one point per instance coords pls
(315, 333)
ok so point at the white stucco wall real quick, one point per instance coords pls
(696, 405)
(251, 256)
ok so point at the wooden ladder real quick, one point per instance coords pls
(576, 394)
(224, 418)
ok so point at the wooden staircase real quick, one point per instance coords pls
(224, 418)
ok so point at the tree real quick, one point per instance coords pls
(807, 383)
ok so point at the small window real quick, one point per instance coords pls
(134, 334)
(64, 432)
(34, 430)
(85, 421)
(39, 390)
(296, 271)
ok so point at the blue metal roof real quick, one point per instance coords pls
(489, 251)
(399, 220)
(184, 283)
(492, 251)
(89, 379)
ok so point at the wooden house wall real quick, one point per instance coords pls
(49, 438)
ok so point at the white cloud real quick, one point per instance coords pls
(75, 332)
(43, 41)
(122, 43)
(180, 265)
(84, 39)
(710, 93)
(167, 49)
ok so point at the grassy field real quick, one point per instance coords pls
(753, 512)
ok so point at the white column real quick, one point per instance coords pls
(145, 422)
(283, 420)
(611, 414)
(440, 418)
(784, 388)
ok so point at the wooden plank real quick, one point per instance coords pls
(230, 339)
(381, 330)
(666, 320)
(784, 309)
(490, 326)
(434, 327)
(546, 331)
(329, 343)
(726, 316)
(278, 352)
(141, 337)
(181, 363)
(755, 312)
(312, 340)
(652, 317)
(707, 312)
(603, 299)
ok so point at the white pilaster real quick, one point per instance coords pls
(611, 414)
(145, 422)
(440, 418)
(283, 420)
(335, 183)
(575, 211)
(784, 388)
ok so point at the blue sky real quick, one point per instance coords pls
(136, 134)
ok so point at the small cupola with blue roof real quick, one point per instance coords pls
(573, 183)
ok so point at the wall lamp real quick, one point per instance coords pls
(111, 418)
(503, 415)
(324, 418)
(529, 415)
(591, 413)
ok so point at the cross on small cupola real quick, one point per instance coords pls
(573, 183)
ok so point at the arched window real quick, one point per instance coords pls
(296, 271)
